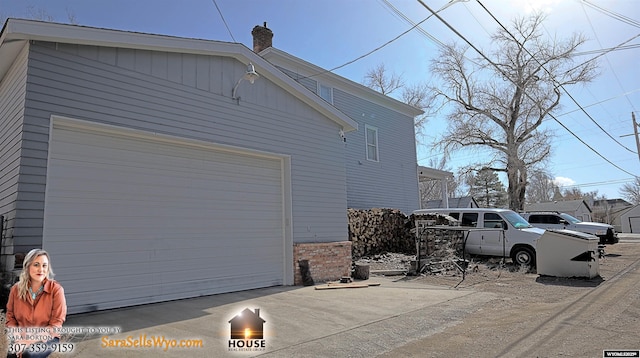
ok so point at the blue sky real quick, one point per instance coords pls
(330, 33)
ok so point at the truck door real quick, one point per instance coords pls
(493, 235)
(474, 239)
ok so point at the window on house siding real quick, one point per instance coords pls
(371, 134)
(325, 92)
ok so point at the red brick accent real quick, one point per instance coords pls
(327, 261)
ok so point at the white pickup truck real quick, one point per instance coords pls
(495, 232)
(557, 220)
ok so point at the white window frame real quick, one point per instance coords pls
(323, 86)
(376, 145)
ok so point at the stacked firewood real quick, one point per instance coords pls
(434, 219)
(434, 238)
(440, 245)
(440, 242)
(377, 230)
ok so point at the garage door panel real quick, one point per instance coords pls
(132, 292)
(83, 255)
(126, 212)
(86, 277)
(166, 274)
(234, 197)
(176, 186)
(114, 152)
(125, 240)
(164, 178)
(174, 225)
(108, 280)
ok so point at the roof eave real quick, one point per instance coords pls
(426, 173)
(310, 69)
(22, 31)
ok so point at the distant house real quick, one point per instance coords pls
(609, 211)
(163, 160)
(462, 202)
(576, 208)
(630, 220)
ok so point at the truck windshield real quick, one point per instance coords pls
(570, 218)
(515, 219)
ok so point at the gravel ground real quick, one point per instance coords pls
(536, 316)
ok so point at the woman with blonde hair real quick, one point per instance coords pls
(36, 301)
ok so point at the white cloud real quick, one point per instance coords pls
(562, 181)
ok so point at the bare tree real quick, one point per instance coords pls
(540, 187)
(574, 193)
(71, 17)
(501, 104)
(37, 13)
(421, 97)
(380, 80)
(417, 95)
(631, 191)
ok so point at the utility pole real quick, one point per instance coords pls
(635, 132)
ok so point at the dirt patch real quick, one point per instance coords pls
(387, 261)
(477, 266)
(539, 315)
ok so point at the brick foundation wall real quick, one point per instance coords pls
(327, 261)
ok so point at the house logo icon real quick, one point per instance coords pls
(247, 331)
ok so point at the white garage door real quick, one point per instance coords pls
(133, 219)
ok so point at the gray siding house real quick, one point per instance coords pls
(155, 158)
(610, 211)
(630, 220)
(381, 163)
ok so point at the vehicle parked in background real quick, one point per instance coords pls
(495, 232)
(557, 220)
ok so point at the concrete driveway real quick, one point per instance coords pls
(298, 322)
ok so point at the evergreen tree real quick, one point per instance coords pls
(487, 189)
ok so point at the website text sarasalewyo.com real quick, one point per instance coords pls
(144, 341)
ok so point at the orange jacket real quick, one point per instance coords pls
(49, 310)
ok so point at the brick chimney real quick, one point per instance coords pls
(261, 37)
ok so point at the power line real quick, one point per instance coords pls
(604, 51)
(410, 22)
(383, 45)
(224, 21)
(625, 94)
(551, 75)
(606, 182)
(505, 75)
(619, 17)
(423, 31)
(615, 75)
(366, 54)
